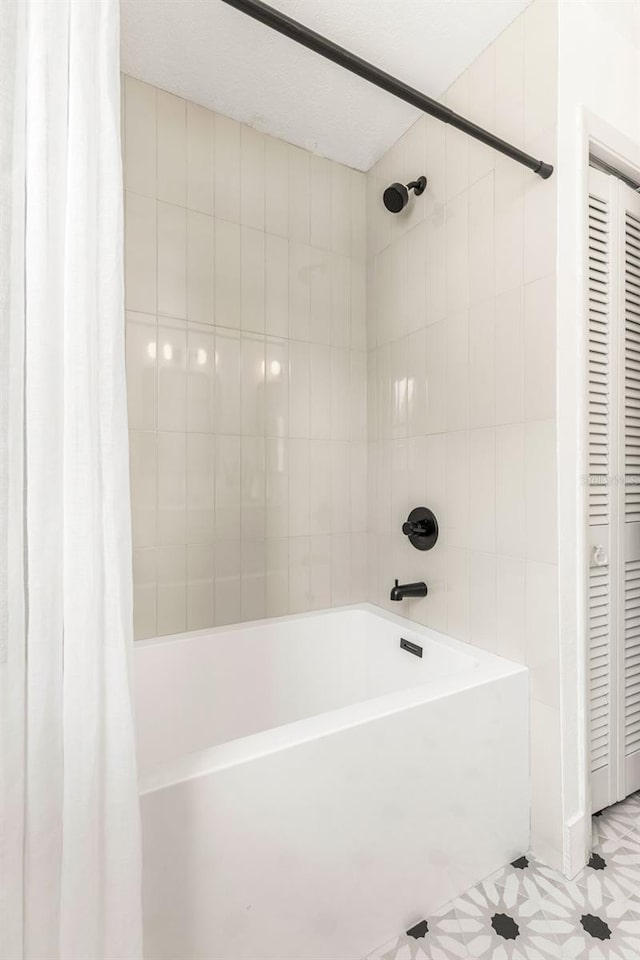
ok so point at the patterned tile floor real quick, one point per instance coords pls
(527, 911)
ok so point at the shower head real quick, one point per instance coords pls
(396, 197)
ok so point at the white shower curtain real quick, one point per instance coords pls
(70, 854)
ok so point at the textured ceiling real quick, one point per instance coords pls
(210, 53)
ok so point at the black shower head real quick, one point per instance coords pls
(396, 197)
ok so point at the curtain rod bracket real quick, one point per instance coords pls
(544, 170)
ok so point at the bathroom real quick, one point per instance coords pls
(319, 582)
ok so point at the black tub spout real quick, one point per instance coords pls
(402, 590)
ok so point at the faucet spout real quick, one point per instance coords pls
(402, 590)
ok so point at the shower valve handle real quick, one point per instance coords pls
(421, 527)
(415, 527)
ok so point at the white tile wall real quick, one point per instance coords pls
(462, 360)
(246, 368)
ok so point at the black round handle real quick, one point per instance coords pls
(421, 527)
(410, 526)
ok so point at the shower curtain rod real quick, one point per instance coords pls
(362, 68)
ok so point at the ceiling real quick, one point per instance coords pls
(208, 52)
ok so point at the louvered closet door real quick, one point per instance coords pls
(602, 505)
(614, 488)
(629, 672)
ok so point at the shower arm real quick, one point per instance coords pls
(362, 68)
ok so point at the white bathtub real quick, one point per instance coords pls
(309, 789)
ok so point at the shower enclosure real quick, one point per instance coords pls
(306, 366)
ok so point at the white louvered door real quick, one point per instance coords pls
(629, 673)
(614, 488)
(601, 502)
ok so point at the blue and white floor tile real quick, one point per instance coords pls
(526, 911)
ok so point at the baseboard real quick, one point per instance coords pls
(577, 844)
(548, 854)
